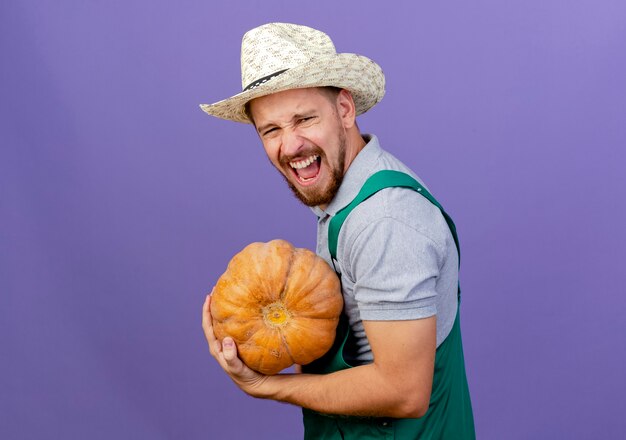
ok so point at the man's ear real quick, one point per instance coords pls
(346, 108)
(248, 111)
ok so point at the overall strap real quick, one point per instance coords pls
(450, 413)
(377, 181)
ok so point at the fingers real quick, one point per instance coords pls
(229, 354)
(205, 311)
(206, 316)
(226, 351)
(207, 326)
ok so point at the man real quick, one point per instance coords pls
(401, 372)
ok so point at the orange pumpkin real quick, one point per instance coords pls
(279, 303)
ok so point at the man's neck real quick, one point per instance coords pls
(354, 145)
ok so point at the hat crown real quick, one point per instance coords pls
(275, 47)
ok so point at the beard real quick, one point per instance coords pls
(322, 196)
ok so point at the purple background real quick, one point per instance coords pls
(121, 203)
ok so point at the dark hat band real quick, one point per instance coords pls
(263, 80)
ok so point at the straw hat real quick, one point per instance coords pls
(282, 56)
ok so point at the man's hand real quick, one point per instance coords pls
(226, 355)
(397, 384)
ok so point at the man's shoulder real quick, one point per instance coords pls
(393, 206)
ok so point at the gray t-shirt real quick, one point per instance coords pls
(395, 254)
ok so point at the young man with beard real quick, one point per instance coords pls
(401, 373)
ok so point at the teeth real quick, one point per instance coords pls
(303, 163)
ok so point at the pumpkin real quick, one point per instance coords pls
(280, 304)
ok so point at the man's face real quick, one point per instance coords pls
(305, 140)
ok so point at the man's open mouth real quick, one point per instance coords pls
(306, 170)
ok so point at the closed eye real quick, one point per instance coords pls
(306, 119)
(268, 131)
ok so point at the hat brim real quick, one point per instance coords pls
(358, 74)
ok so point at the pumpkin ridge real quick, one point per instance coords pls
(292, 257)
(297, 301)
(282, 337)
(301, 255)
(239, 282)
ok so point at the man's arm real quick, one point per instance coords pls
(397, 384)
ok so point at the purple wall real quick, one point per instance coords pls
(121, 203)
